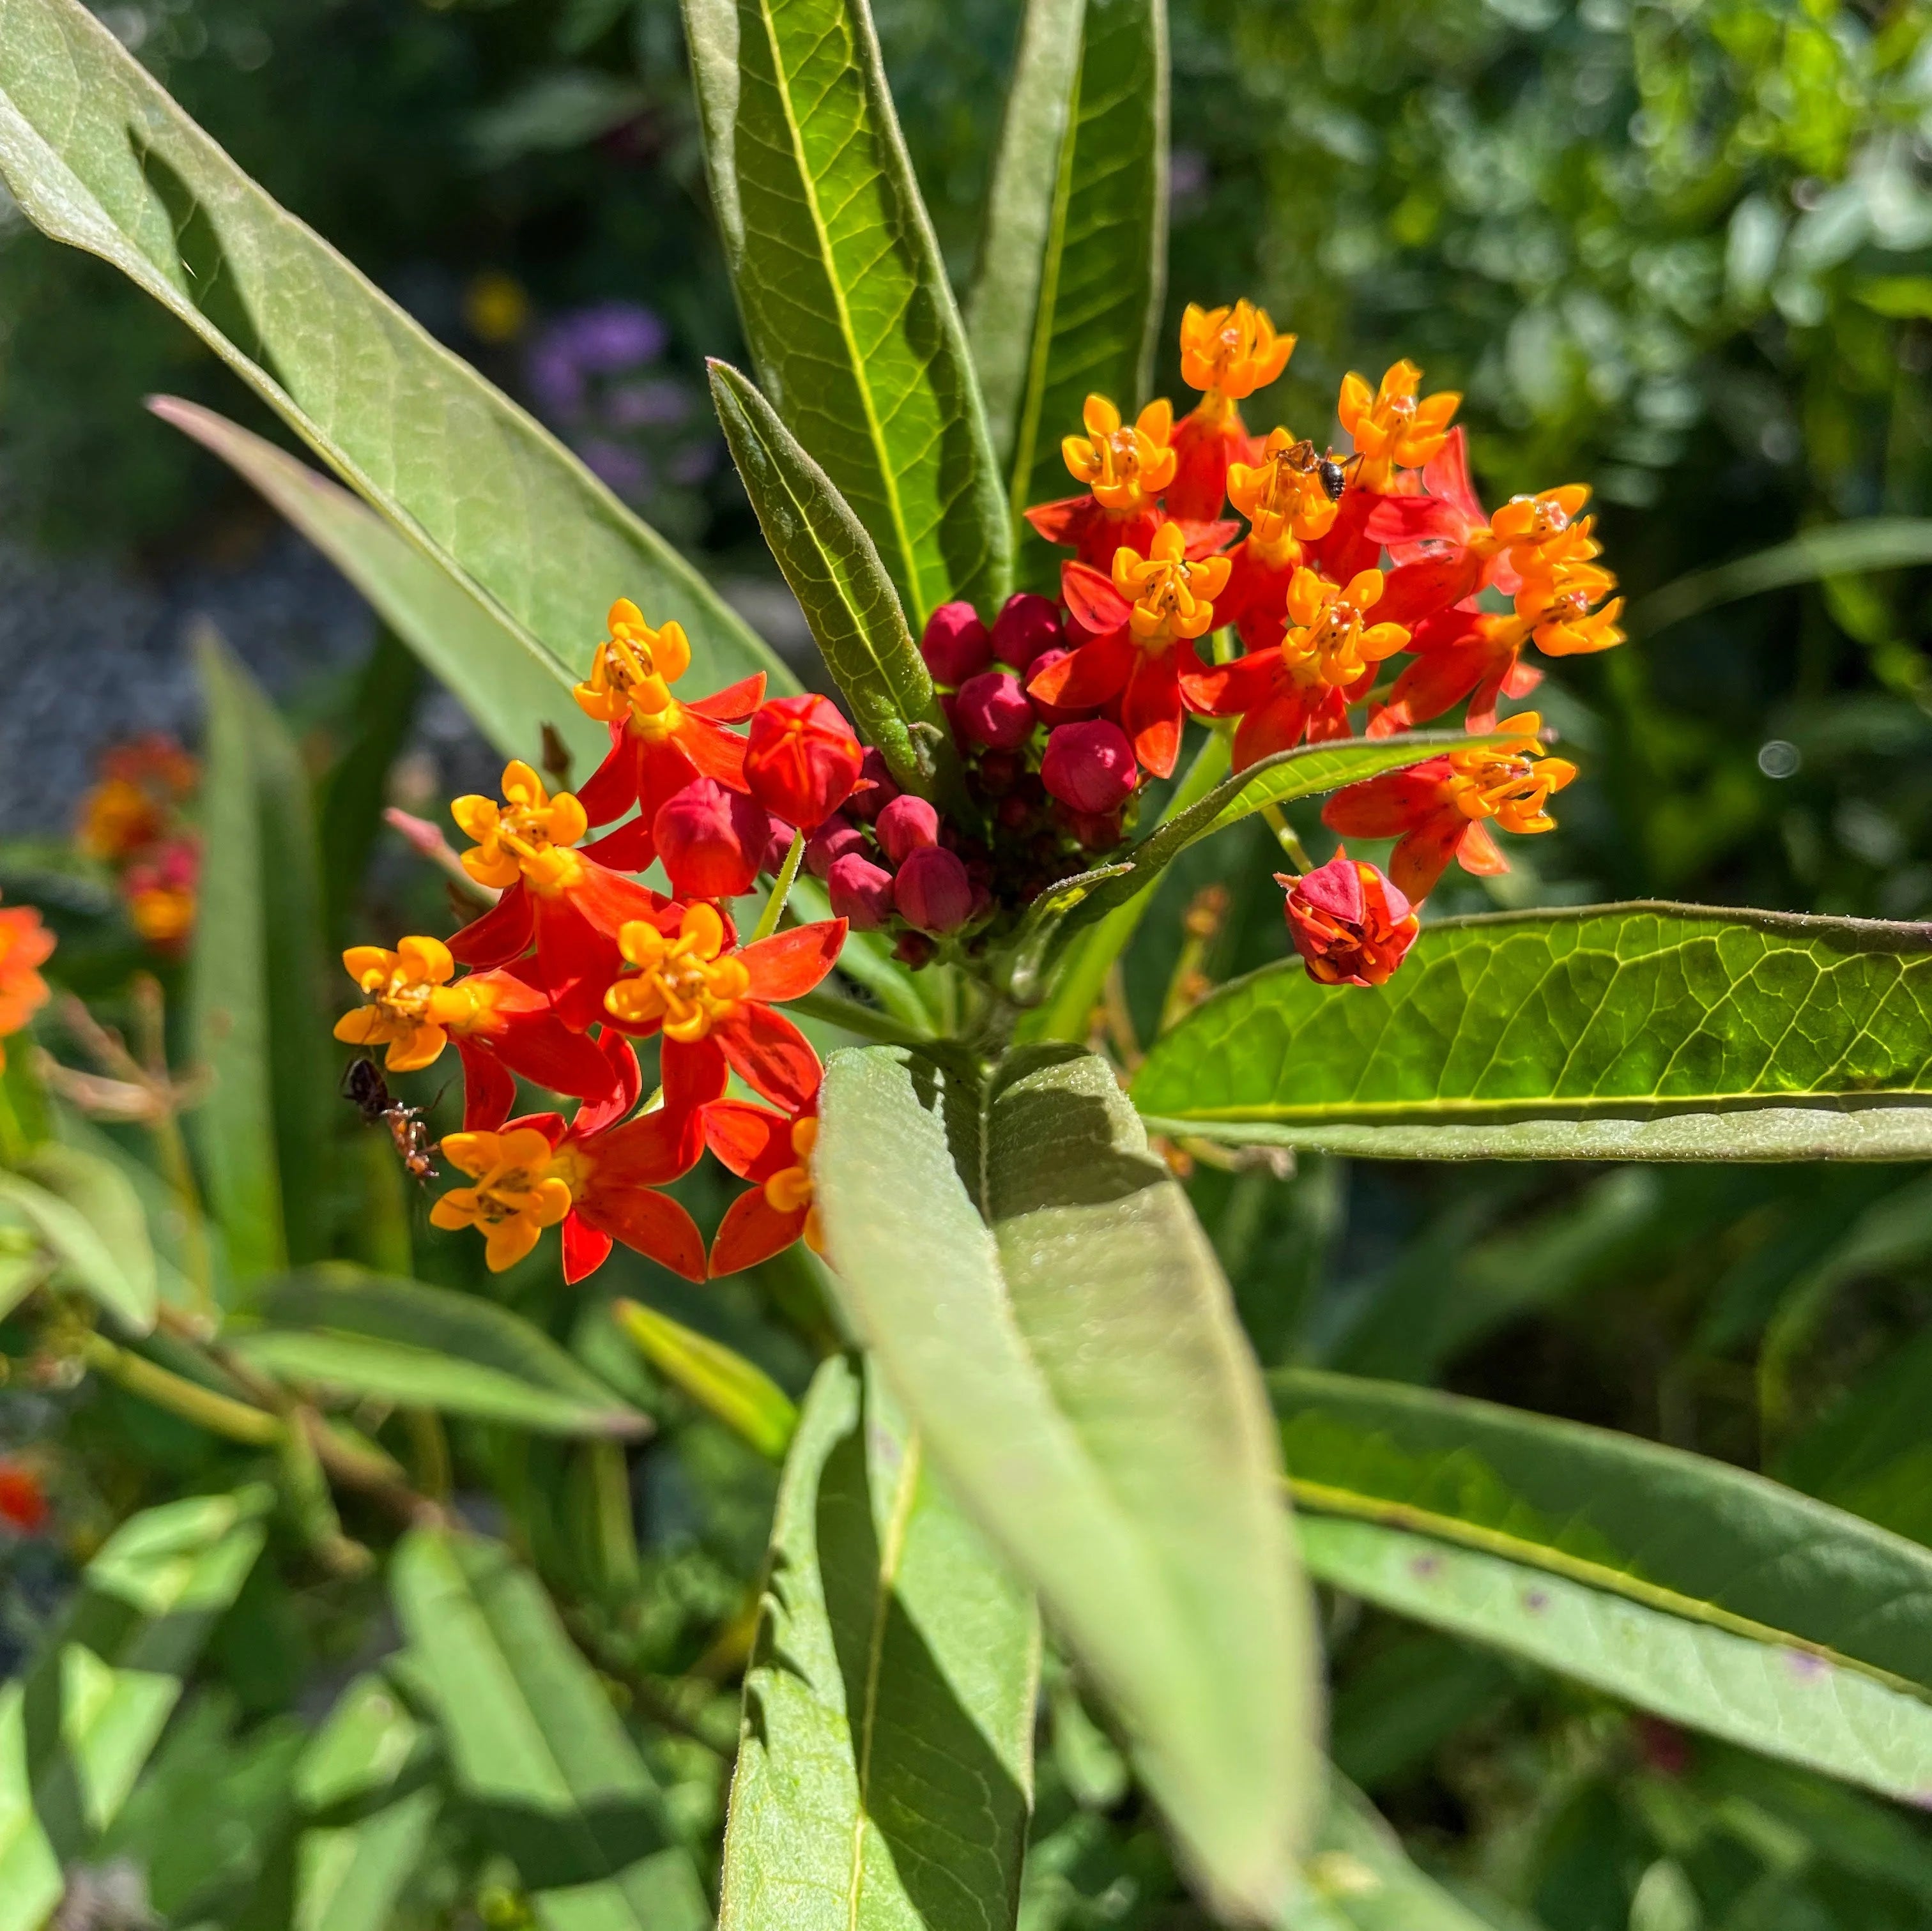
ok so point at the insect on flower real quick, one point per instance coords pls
(364, 1087)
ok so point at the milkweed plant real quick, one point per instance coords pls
(851, 944)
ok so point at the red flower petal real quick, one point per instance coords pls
(753, 1230)
(735, 702)
(753, 1142)
(1150, 710)
(653, 1224)
(585, 1250)
(500, 935)
(488, 1091)
(793, 961)
(693, 1073)
(611, 789)
(1094, 674)
(771, 1056)
(625, 1085)
(539, 1048)
(1095, 604)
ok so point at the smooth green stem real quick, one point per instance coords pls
(218, 1414)
(610, 1476)
(429, 1451)
(775, 906)
(1277, 820)
(867, 1021)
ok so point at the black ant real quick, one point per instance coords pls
(364, 1086)
(1300, 457)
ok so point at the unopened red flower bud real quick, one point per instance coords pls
(914, 948)
(801, 759)
(861, 892)
(992, 709)
(1351, 924)
(1096, 830)
(956, 646)
(904, 825)
(711, 841)
(875, 791)
(779, 848)
(932, 891)
(1026, 625)
(23, 1502)
(830, 843)
(1090, 767)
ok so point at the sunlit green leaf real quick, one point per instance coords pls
(833, 567)
(84, 1215)
(1619, 1032)
(853, 331)
(1067, 295)
(508, 684)
(1039, 1295)
(1360, 1878)
(534, 1746)
(739, 1392)
(98, 155)
(76, 1729)
(885, 1769)
(429, 1348)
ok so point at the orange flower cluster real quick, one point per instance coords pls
(25, 946)
(132, 820)
(1347, 564)
(576, 959)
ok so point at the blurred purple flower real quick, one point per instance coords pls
(658, 403)
(605, 339)
(621, 468)
(689, 467)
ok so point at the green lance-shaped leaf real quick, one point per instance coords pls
(885, 1765)
(1787, 1703)
(1678, 1533)
(1838, 550)
(853, 327)
(508, 683)
(1645, 1031)
(1306, 771)
(833, 567)
(1041, 1298)
(428, 1347)
(1073, 255)
(98, 156)
(259, 1004)
(86, 1216)
(738, 1392)
(534, 1746)
(76, 1729)
(367, 1805)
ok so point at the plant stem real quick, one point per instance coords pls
(1277, 820)
(865, 1021)
(775, 906)
(219, 1414)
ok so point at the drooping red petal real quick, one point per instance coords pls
(793, 961)
(539, 1048)
(1446, 475)
(629, 848)
(771, 1055)
(625, 1084)
(1420, 590)
(1150, 710)
(664, 768)
(1202, 451)
(577, 939)
(753, 1230)
(1276, 724)
(1404, 519)
(650, 1151)
(1348, 549)
(1479, 853)
(1387, 806)
(1094, 674)
(653, 1224)
(1208, 539)
(735, 702)
(753, 1142)
(611, 789)
(1227, 690)
(552, 1125)
(1064, 521)
(694, 1073)
(717, 753)
(1095, 604)
(1420, 858)
(488, 1090)
(585, 1250)
(501, 934)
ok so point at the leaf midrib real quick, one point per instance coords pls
(1534, 1108)
(874, 429)
(1331, 1499)
(892, 1551)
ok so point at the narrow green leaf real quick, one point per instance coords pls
(508, 684)
(1785, 1703)
(98, 156)
(1306, 771)
(77, 1209)
(1678, 1533)
(739, 1392)
(845, 302)
(258, 1002)
(1644, 1031)
(834, 570)
(76, 1729)
(1067, 297)
(428, 1347)
(885, 1765)
(368, 1809)
(1039, 1295)
(535, 1747)
(1362, 1879)
(1838, 550)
